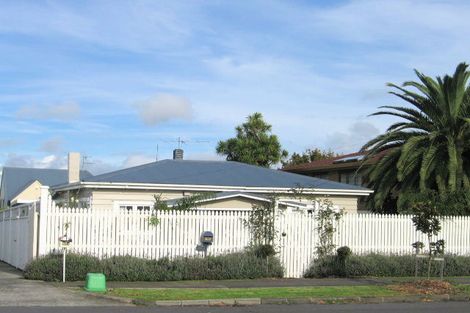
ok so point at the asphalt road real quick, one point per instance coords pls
(438, 307)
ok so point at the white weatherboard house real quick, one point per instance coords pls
(235, 185)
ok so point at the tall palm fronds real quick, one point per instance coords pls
(429, 148)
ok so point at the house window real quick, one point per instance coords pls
(323, 176)
(134, 207)
(351, 178)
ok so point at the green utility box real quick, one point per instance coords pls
(95, 282)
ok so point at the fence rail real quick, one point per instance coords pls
(107, 232)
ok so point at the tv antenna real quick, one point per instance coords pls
(181, 141)
(85, 161)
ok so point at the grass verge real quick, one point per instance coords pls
(230, 293)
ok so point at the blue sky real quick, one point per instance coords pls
(114, 79)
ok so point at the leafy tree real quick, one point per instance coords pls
(309, 155)
(261, 222)
(326, 218)
(447, 203)
(428, 149)
(253, 144)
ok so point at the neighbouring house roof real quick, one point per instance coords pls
(235, 194)
(213, 174)
(345, 161)
(17, 179)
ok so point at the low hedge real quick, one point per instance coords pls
(385, 266)
(243, 265)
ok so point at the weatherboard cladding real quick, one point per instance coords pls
(215, 173)
(16, 179)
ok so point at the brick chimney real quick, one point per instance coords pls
(74, 167)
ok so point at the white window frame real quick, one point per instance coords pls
(118, 204)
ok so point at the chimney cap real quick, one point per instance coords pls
(178, 154)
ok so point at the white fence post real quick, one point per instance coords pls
(43, 208)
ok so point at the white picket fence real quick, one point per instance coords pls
(106, 232)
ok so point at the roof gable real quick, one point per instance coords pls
(16, 179)
(227, 195)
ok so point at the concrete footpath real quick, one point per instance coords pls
(16, 291)
(247, 283)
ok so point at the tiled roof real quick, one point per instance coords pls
(334, 163)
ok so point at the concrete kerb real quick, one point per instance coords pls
(259, 301)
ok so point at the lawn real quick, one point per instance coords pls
(231, 293)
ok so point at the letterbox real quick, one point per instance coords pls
(207, 238)
(65, 241)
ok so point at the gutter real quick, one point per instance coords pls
(140, 186)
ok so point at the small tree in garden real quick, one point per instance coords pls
(426, 211)
(326, 217)
(261, 223)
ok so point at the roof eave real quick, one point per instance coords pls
(140, 186)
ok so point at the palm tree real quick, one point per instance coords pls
(429, 149)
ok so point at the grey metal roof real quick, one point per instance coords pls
(216, 173)
(16, 179)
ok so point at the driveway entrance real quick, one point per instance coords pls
(17, 291)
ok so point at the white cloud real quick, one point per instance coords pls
(7, 143)
(48, 161)
(351, 141)
(137, 159)
(63, 111)
(162, 108)
(130, 25)
(204, 156)
(52, 145)
(98, 166)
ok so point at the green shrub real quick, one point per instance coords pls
(264, 251)
(342, 256)
(343, 253)
(49, 267)
(386, 266)
(242, 265)
(125, 268)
